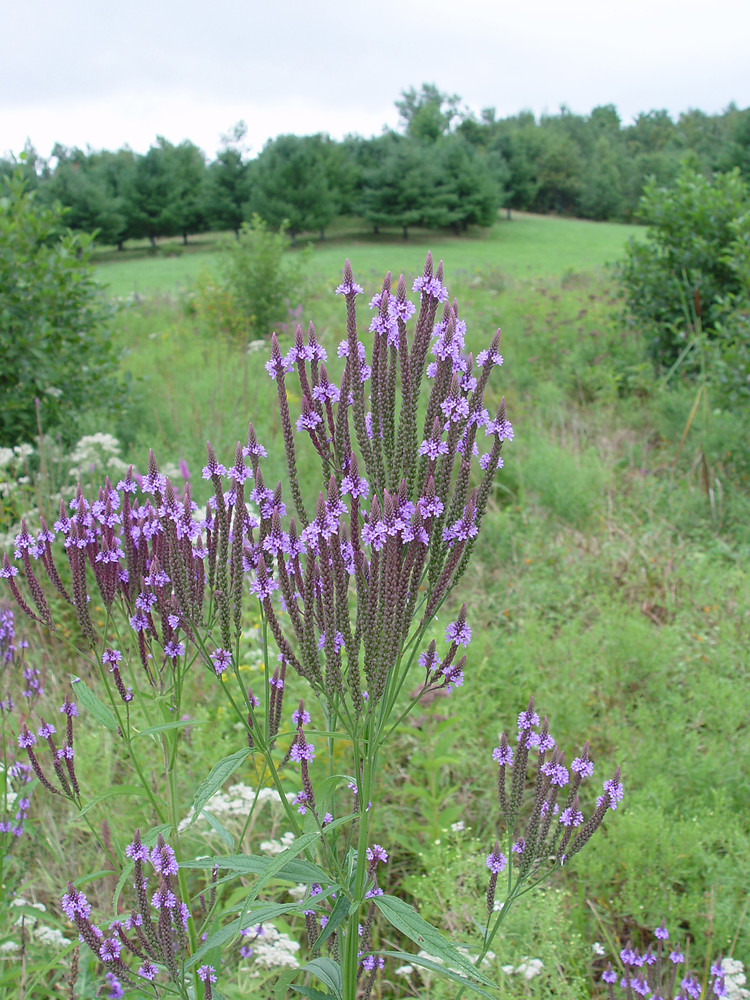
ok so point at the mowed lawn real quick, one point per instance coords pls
(526, 246)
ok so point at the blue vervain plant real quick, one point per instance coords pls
(347, 593)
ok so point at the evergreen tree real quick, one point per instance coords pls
(227, 183)
(289, 183)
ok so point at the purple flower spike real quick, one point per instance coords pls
(430, 286)
(26, 738)
(377, 853)
(222, 659)
(496, 861)
(349, 286)
(163, 859)
(503, 755)
(458, 631)
(300, 716)
(528, 719)
(302, 751)
(614, 789)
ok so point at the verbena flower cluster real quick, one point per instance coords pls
(400, 510)
(15, 798)
(552, 828)
(154, 935)
(660, 973)
(348, 585)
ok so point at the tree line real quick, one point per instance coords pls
(445, 168)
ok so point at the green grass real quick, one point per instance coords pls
(606, 584)
(527, 246)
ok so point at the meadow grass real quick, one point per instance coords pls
(607, 585)
(525, 246)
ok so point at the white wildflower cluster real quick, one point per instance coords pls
(272, 949)
(93, 457)
(13, 469)
(734, 979)
(277, 846)
(298, 892)
(46, 935)
(15, 456)
(529, 968)
(235, 803)
(96, 453)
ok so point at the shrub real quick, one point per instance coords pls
(255, 275)
(54, 344)
(693, 259)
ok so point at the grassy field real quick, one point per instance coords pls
(611, 583)
(527, 246)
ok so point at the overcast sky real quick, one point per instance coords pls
(104, 74)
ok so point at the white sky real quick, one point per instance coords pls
(104, 74)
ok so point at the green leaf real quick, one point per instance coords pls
(258, 914)
(219, 828)
(282, 984)
(337, 917)
(216, 778)
(136, 790)
(294, 870)
(277, 864)
(94, 876)
(164, 726)
(311, 993)
(224, 936)
(328, 972)
(406, 919)
(97, 708)
(441, 970)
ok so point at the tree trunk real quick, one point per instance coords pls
(406, 233)
(184, 239)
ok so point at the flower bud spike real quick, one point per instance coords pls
(497, 863)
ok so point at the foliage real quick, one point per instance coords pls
(54, 343)
(228, 184)
(428, 114)
(95, 189)
(681, 279)
(290, 185)
(256, 274)
(448, 184)
(166, 197)
(591, 166)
